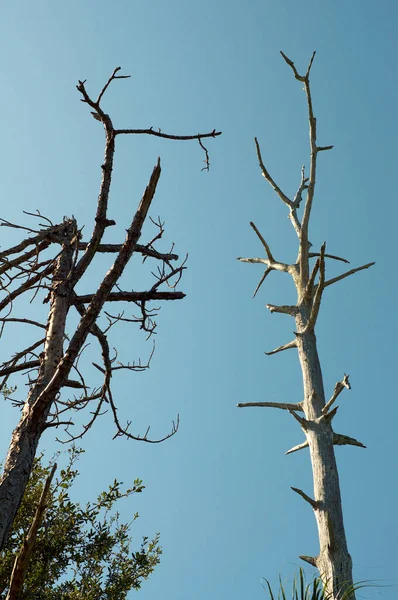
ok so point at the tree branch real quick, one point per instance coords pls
(167, 136)
(284, 309)
(132, 297)
(315, 254)
(298, 447)
(310, 560)
(303, 422)
(348, 273)
(338, 388)
(313, 503)
(260, 283)
(292, 344)
(29, 364)
(282, 405)
(318, 293)
(268, 177)
(144, 250)
(345, 440)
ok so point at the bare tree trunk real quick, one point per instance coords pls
(334, 561)
(26, 435)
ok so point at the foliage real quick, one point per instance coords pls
(81, 551)
(315, 590)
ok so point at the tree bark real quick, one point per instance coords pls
(334, 561)
(26, 435)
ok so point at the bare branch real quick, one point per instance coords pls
(303, 186)
(313, 503)
(284, 309)
(71, 383)
(303, 422)
(275, 266)
(271, 263)
(268, 177)
(329, 416)
(26, 286)
(260, 283)
(23, 353)
(168, 136)
(318, 293)
(345, 440)
(309, 559)
(309, 288)
(123, 431)
(111, 78)
(304, 245)
(22, 245)
(314, 254)
(27, 321)
(338, 440)
(264, 243)
(338, 388)
(298, 447)
(10, 264)
(133, 296)
(344, 275)
(282, 405)
(292, 344)
(29, 364)
(207, 159)
(144, 250)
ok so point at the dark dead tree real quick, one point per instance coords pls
(53, 261)
(314, 414)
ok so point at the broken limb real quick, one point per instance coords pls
(284, 309)
(338, 388)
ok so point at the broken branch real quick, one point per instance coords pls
(338, 388)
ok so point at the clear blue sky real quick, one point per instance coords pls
(219, 491)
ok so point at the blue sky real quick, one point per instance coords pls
(219, 491)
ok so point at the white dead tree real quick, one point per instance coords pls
(51, 364)
(314, 414)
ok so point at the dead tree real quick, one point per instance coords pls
(314, 414)
(52, 261)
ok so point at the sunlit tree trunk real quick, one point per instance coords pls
(313, 413)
